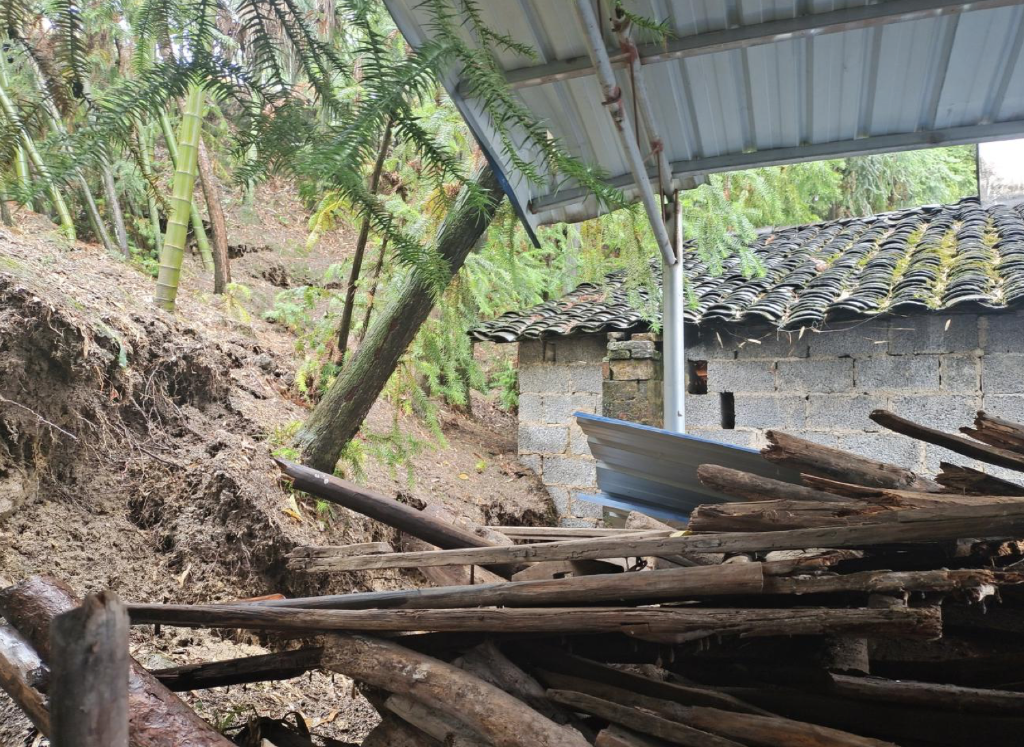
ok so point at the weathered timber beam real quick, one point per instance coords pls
(544, 534)
(283, 665)
(492, 713)
(652, 623)
(444, 728)
(959, 444)
(836, 464)
(17, 661)
(157, 717)
(752, 487)
(756, 516)
(615, 736)
(955, 478)
(89, 674)
(929, 695)
(912, 526)
(638, 720)
(339, 551)
(394, 732)
(997, 432)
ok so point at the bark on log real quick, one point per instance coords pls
(957, 479)
(17, 661)
(912, 526)
(264, 668)
(671, 625)
(639, 721)
(490, 712)
(157, 717)
(824, 461)
(89, 674)
(747, 728)
(757, 488)
(208, 181)
(958, 444)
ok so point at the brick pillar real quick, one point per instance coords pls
(633, 381)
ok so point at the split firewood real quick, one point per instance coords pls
(18, 660)
(748, 486)
(490, 712)
(157, 717)
(283, 665)
(957, 479)
(964, 446)
(824, 461)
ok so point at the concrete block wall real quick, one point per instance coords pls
(558, 377)
(632, 380)
(937, 369)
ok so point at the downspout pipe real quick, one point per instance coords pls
(673, 342)
(627, 137)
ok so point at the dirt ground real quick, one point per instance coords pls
(134, 452)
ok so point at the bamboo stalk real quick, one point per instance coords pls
(198, 229)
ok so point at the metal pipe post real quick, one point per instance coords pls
(627, 138)
(672, 333)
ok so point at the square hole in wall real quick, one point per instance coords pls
(696, 377)
(728, 403)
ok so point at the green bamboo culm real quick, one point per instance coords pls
(173, 250)
(29, 147)
(147, 172)
(198, 229)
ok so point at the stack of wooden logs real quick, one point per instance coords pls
(868, 605)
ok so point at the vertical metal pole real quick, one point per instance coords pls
(673, 342)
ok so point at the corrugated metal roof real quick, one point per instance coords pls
(928, 259)
(744, 83)
(654, 470)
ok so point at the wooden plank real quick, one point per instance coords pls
(958, 479)
(89, 674)
(544, 534)
(492, 713)
(666, 624)
(915, 526)
(339, 551)
(17, 661)
(959, 444)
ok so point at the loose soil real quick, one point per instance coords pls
(135, 451)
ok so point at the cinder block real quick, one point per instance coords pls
(531, 408)
(1002, 374)
(579, 348)
(578, 444)
(945, 412)
(934, 333)
(541, 378)
(843, 412)
(1006, 406)
(1004, 333)
(586, 378)
(708, 345)
(959, 374)
(854, 340)
(531, 351)
(588, 403)
(703, 411)
(560, 498)
(575, 522)
(575, 472)
(632, 369)
(935, 455)
(884, 447)
(543, 439)
(733, 437)
(618, 355)
(897, 372)
(634, 348)
(773, 346)
(585, 509)
(815, 375)
(531, 462)
(557, 408)
(761, 411)
(741, 376)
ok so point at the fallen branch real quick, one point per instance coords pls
(959, 444)
(264, 668)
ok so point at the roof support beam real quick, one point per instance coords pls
(811, 152)
(627, 138)
(815, 24)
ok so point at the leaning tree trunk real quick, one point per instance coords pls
(198, 229)
(372, 295)
(340, 413)
(181, 201)
(221, 265)
(114, 208)
(357, 259)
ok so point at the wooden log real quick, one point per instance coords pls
(383, 509)
(980, 583)
(616, 736)
(283, 665)
(835, 464)
(546, 534)
(157, 717)
(751, 729)
(338, 551)
(929, 695)
(491, 713)
(671, 625)
(915, 526)
(760, 516)
(998, 432)
(633, 718)
(394, 732)
(17, 662)
(957, 479)
(757, 488)
(565, 568)
(89, 674)
(459, 575)
(959, 444)
(439, 726)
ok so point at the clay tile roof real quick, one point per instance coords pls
(925, 259)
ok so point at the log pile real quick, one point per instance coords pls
(868, 606)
